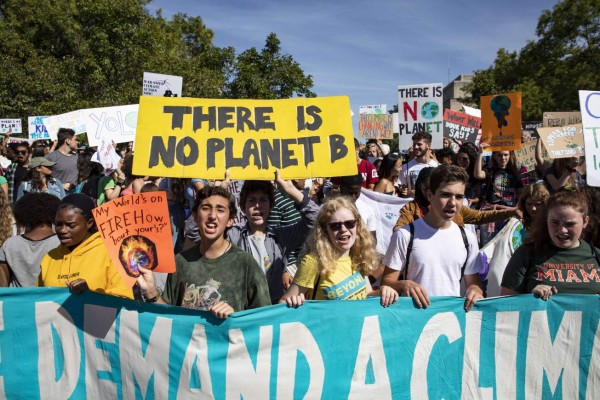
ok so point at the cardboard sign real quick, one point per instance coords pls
(460, 126)
(12, 125)
(420, 108)
(36, 128)
(373, 109)
(162, 85)
(563, 141)
(72, 120)
(136, 231)
(302, 137)
(589, 101)
(501, 121)
(526, 155)
(110, 123)
(560, 118)
(375, 126)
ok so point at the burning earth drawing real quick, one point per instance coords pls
(137, 251)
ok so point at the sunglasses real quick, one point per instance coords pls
(22, 152)
(336, 226)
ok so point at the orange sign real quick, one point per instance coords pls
(136, 230)
(501, 121)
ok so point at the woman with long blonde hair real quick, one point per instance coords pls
(340, 256)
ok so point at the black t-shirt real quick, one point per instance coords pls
(20, 172)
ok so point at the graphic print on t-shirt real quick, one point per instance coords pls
(201, 297)
(347, 289)
(267, 263)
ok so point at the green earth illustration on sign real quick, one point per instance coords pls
(430, 110)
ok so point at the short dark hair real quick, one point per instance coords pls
(424, 136)
(347, 181)
(63, 134)
(208, 191)
(36, 209)
(447, 174)
(257, 186)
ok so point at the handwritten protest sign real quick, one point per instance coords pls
(420, 108)
(110, 123)
(501, 121)
(93, 346)
(162, 85)
(72, 120)
(107, 156)
(526, 155)
(589, 101)
(12, 125)
(302, 137)
(529, 130)
(36, 128)
(560, 118)
(375, 126)
(460, 126)
(373, 109)
(563, 141)
(136, 231)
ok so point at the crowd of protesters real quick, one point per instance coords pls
(313, 239)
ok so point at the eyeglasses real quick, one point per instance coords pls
(21, 152)
(336, 226)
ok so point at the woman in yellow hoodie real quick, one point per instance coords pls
(81, 261)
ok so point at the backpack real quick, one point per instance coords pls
(411, 228)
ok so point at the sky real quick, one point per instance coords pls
(365, 50)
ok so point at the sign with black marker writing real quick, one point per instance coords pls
(302, 137)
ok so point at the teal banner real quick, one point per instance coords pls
(55, 345)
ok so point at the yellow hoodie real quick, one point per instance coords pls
(89, 261)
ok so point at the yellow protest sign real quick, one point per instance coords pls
(202, 138)
(501, 121)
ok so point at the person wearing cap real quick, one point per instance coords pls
(39, 179)
(81, 261)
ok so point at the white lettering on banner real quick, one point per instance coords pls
(137, 367)
(442, 324)
(49, 317)
(593, 378)
(470, 373)
(2, 392)
(294, 337)
(197, 351)
(505, 351)
(98, 323)
(560, 356)
(370, 348)
(243, 380)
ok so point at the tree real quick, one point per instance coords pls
(548, 71)
(59, 56)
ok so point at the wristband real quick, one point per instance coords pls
(152, 299)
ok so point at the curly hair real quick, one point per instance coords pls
(208, 191)
(36, 209)
(537, 191)
(363, 255)
(539, 232)
(6, 219)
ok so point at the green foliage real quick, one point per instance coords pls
(59, 56)
(548, 71)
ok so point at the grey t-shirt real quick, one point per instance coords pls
(65, 169)
(23, 257)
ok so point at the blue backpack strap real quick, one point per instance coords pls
(404, 274)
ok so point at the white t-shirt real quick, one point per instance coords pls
(410, 172)
(436, 259)
(368, 214)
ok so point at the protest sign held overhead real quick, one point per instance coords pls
(529, 129)
(302, 137)
(72, 120)
(375, 126)
(460, 126)
(526, 155)
(12, 125)
(373, 109)
(115, 124)
(501, 121)
(589, 101)
(162, 85)
(136, 231)
(420, 108)
(563, 141)
(560, 118)
(36, 128)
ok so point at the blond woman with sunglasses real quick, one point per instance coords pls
(340, 256)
